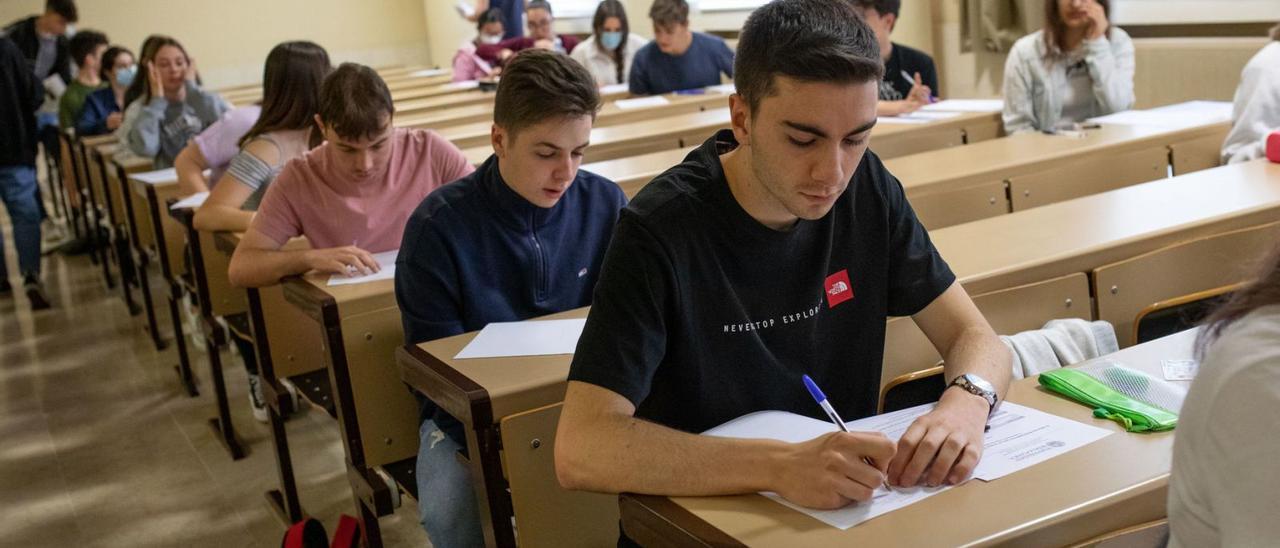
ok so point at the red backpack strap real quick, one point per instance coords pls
(308, 533)
(348, 533)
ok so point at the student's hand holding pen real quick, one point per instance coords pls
(834, 470)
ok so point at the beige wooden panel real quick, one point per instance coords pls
(1009, 311)
(387, 412)
(297, 341)
(943, 207)
(629, 147)
(1197, 154)
(1173, 70)
(141, 215)
(983, 131)
(1091, 176)
(912, 142)
(1124, 288)
(224, 299)
(548, 515)
(175, 235)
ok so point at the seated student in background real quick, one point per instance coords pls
(540, 21)
(512, 12)
(352, 195)
(173, 107)
(910, 77)
(521, 237)
(1223, 485)
(677, 58)
(287, 129)
(101, 113)
(1257, 105)
(1077, 67)
(86, 48)
(777, 249)
(467, 64)
(608, 52)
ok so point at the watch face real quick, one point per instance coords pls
(980, 383)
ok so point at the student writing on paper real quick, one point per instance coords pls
(352, 195)
(101, 113)
(173, 108)
(1223, 482)
(678, 58)
(1257, 105)
(776, 249)
(523, 236)
(467, 64)
(1078, 67)
(86, 48)
(910, 77)
(608, 52)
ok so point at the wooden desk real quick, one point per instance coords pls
(1118, 481)
(141, 243)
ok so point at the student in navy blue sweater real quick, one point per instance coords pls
(677, 58)
(523, 236)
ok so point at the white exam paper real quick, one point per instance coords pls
(641, 102)
(428, 72)
(465, 84)
(614, 88)
(157, 177)
(530, 338)
(1190, 113)
(901, 120)
(726, 89)
(1019, 437)
(193, 201)
(931, 115)
(387, 270)
(966, 105)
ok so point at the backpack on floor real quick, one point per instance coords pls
(310, 533)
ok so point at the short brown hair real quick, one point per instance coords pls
(809, 40)
(665, 13)
(354, 100)
(65, 8)
(538, 85)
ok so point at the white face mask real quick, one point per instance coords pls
(490, 39)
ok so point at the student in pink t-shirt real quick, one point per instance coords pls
(351, 196)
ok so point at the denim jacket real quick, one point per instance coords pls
(1034, 83)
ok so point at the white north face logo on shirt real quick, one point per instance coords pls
(838, 288)
(582, 272)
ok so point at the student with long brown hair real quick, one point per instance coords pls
(172, 107)
(1079, 66)
(1257, 105)
(1223, 487)
(607, 54)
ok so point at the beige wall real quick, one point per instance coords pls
(230, 38)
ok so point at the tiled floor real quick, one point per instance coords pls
(99, 446)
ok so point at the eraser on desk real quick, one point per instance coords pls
(1273, 147)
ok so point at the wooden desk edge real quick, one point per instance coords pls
(467, 401)
(652, 520)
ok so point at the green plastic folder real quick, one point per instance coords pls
(1107, 402)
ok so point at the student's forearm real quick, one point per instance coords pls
(222, 218)
(978, 351)
(190, 171)
(261, 267)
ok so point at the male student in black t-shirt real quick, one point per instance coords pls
(910, 77)
(777, 249)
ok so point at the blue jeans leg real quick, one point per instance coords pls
(446, 494)
(18, 191)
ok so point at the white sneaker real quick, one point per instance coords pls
(256, 401)
(191, 321)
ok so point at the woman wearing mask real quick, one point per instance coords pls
(102, 109)
(467, 65)
(607, 54)
(1078, 67)
(173, 107)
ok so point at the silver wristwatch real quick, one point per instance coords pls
(978, 386)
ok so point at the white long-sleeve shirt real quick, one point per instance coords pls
(1257, 107)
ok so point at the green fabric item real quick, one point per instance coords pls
(1107, 403)
(72, 103)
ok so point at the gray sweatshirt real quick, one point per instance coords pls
(1035, 85)
(162, 129)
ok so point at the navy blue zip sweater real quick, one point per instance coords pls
(475, 252)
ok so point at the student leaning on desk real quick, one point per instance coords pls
(775, 250)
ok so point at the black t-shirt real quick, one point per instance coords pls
(896, 86)
(702, 314)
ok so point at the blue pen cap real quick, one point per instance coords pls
(814, 390)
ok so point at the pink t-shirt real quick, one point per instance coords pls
(310, 199)
(220, 142)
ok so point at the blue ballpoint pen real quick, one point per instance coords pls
(835, 417)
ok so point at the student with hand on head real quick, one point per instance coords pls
(521, 237)
(86, 48)
(20, 97)
(1257, 105)
(677, 58)
(1223, 485)
(541, 21)
(910, 77)
(467, 64)
(173, 108)
(352, 195)
(101, 113)
(608, 52)
(1077, 67)
(776, 249)
(291, 82)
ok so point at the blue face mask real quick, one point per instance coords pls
(125, 76)
(610, 40)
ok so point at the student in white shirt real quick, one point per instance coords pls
(1078, 67)
(1223, 484)
(607, 54)
(1257, 107)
